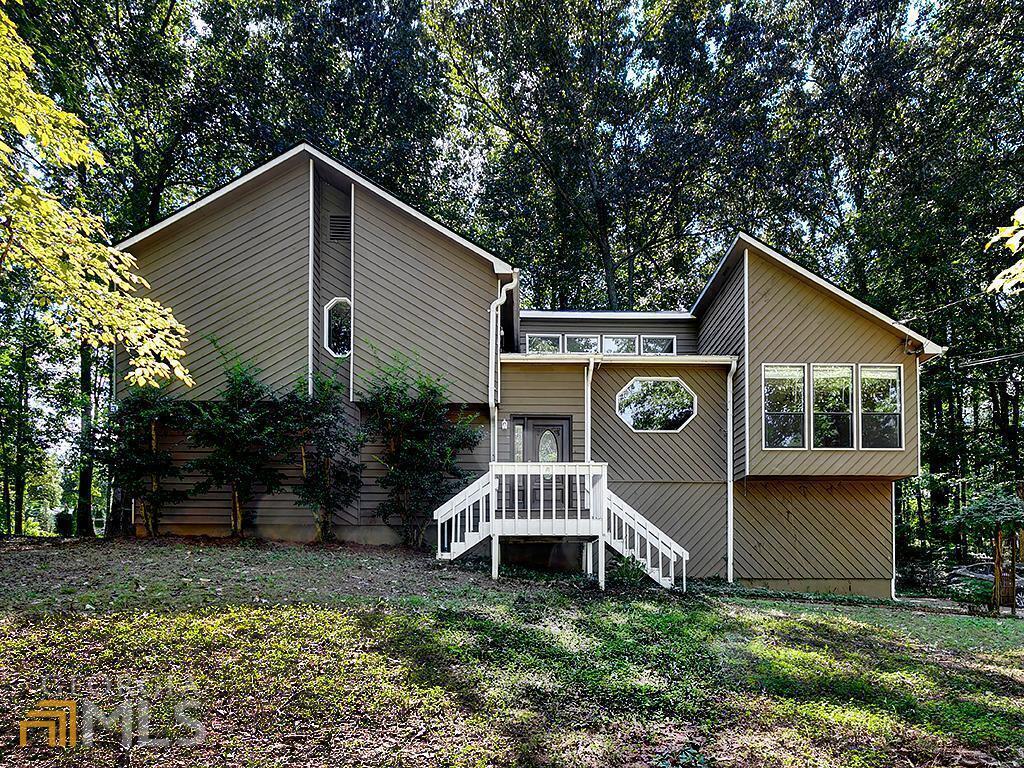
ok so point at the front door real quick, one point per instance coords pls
(541, 438)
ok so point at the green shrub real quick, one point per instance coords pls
(421, 435)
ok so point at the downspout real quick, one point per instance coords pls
(729, 471)
(587, 408)
(492, 358)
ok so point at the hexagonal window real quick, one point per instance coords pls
(338, 327)
(650, 404)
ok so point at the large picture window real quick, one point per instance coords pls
(832, 414)
(881, 407)
(338, 327)
(784, 414)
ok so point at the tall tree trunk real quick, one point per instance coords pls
(997, 569)
(236, 512)
(1013, 572)
(7, 502)
(84, 526)
(19, 501)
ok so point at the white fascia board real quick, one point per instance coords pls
(930, 347)
(537, 357)
(500, 267)
(554, 314)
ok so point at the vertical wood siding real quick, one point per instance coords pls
(238, 270)
(813, 529)
(333, 274)
(677, 480)
(792, 321)
(542, 390)
(419, 293)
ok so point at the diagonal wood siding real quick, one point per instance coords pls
(419, 293)
(677, 480)
(722, 327)
(238, 270)
(792, 321)
(694, 514)
(813, 529)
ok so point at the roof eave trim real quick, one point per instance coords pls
(569, 314)
(562, 359)
(500, 267)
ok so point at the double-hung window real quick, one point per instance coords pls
(784, 414)
(881, 407)
(832, 414)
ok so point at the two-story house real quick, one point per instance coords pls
(756, 437)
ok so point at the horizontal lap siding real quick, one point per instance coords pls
(419, 293)
(238, 271)
(277, 516)
(543, 390)
(684, 330)
(813, 529)
(792, 321)
(677, 480)
(474, 462)
(722, 328)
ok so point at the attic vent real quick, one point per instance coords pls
(340, 227)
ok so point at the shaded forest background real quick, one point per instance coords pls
(609, 148)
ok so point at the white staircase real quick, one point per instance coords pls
(632, 535)
(550, 499)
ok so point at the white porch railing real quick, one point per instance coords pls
(556, 499)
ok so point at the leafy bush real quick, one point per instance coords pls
(421, 436)
(328, 450)
(245, 429)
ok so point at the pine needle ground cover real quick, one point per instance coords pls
(342, 656)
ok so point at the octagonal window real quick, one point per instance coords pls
(338, 327)
(650, 404)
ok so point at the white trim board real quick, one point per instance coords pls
(930, 347)
(549, 359)
(555, 314)
(500, 267)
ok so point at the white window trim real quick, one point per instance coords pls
(854, 391)
(568, 336)
(327, 309)
(807, 430)
(656, 431)
(645, 337)
(902, 411)
(547, 336)
(634, 337)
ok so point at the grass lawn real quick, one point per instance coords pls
(347, 656)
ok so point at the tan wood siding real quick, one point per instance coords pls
(694, 514)
(419, 293)
(696, 454)
(333, 274)
(238, 270)
(722, 329)
(677, 480)
(277, 516)
(685, 331)
(813, 529)
(792, 321)
(475, 463)
(542, 390)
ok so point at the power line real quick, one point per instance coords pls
(987, 360)
(933, 310)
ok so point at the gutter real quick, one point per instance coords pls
(492, 358)
(729, 472)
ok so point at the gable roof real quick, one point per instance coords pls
(500, 267)
(735, 252)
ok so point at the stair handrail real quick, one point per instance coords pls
(616, 506)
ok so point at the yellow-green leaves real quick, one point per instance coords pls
(89, 287)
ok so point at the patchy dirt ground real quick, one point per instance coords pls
(276, 655)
